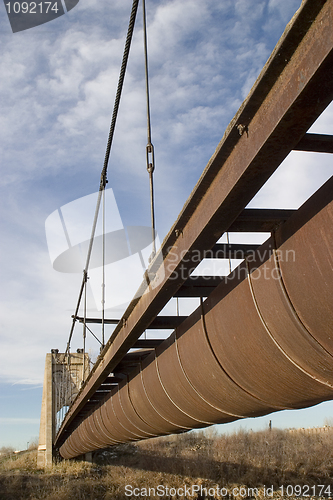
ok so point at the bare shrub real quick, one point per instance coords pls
(33, 444)
(209, 459)
(23, 461)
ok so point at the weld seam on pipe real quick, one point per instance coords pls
(271, 336)
(103, 427)
(196, 390)
(141, 434)
(112, 417)
(254, 396)
(135, 410)
(131, 435)
(163, 418)
(136, 413)
(182, 411)
(96, 427)
(122, 419)
(293, 310)
(105, 412)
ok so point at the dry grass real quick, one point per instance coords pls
(251, 460)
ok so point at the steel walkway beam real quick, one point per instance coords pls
(318, 143)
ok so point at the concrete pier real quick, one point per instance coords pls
(63, 376)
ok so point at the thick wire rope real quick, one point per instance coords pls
(149, 148)
(68, 381)
(103, 270)
(62, 396)
(84, 333)
(103, 180)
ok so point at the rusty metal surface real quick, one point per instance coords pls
(245, 351)
(160, 322)
(216, 386)
(294, 88)
(131, 415)
(177, 384)
(260, 220)
(311, 298)
(237, 332)
(145, 408)
(162, 402)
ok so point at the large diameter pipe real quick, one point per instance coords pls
(261, 342)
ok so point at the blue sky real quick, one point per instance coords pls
(57, 89)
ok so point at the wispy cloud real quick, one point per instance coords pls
(56, 93)
(19, 421)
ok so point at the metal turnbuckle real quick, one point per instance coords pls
(150, 158)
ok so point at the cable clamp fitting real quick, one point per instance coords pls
(104, 180)
(150, 158)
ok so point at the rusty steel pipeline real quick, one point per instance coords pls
(261, 342)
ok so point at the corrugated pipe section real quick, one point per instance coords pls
(261, 342)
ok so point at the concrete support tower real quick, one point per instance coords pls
(63, 377)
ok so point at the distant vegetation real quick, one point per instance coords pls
(242, 463)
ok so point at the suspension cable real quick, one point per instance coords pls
(103, 180)
(84, 331)
(103, 269)
(150, 157)
(62, 388)
(120, 83)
